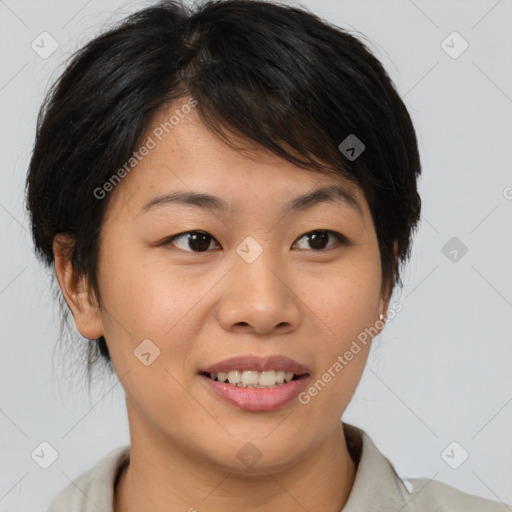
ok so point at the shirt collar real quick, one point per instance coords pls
(376, 480)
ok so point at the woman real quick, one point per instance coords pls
(227, 196)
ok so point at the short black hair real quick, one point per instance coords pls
(275, 75)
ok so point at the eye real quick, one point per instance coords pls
(197, 241)
(319, 238)
(200, 241)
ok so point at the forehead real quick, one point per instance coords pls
(184, 163)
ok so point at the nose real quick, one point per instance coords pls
(259, 298)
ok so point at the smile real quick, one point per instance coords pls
(254, 379)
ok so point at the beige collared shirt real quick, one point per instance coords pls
(377, 486)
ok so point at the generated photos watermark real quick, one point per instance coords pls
(344, 359)
(150, 143)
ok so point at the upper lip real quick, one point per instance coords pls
(257, 363)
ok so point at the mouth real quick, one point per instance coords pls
(252, 396)
(253, 371)
(256, 383)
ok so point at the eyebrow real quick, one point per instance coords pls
(326, 194)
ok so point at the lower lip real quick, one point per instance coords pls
(257, 399)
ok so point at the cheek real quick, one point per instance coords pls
(144, 298)
(348, 305)
(130, 301)
(345, 310)
(347, 300)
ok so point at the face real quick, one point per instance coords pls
(265, 276)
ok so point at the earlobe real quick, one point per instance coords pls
(75, 289)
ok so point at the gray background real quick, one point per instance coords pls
(440, 371)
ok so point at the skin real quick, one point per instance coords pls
(199, 308)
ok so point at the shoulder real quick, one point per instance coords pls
(94, 489)
(434, 496)
(378, 487)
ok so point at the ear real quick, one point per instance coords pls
(76, 291)
(386, 291)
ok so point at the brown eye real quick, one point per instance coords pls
(194, 241)
(319, 239)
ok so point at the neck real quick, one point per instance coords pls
(162, 476)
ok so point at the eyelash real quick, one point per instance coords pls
(341, 239)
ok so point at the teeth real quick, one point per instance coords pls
(254, 379)
(249, 377)
(267, 378)
(222, 376)
(234, 377)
